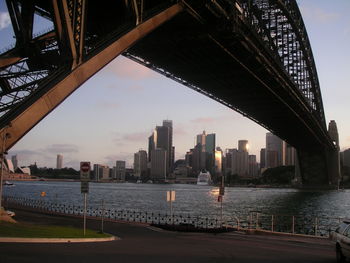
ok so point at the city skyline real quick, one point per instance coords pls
(110, 116)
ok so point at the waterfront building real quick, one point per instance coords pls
(275, 151)
(252, 166)
(59, 161)
(181, 169)
(171, 150)
(290, 154)
(120, 171)
(159, 164)
(162, 138)
(262, 158)
(218, 161)
(206, 151)
(140, 164)
(14, 161)
(151, 146)
(243, 146)
(101, 172)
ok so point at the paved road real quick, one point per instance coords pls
(140, 243)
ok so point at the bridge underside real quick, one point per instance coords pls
(227, 62)
(230, 70)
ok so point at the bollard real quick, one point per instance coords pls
(272, 223)
(293, 225)
(316, 226)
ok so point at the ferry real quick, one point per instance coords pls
(204, 178)
(7, 183)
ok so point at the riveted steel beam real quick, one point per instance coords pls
(27, 119)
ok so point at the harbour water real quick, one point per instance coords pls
(190, 199)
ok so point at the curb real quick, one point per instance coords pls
(55, 240)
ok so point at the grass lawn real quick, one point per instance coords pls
(32, 231)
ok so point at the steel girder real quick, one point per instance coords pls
(40, 71)
(81, 31)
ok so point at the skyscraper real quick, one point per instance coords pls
(252, 166)
(59, 161)
(275, 151)
(171, 152)
(243, 146)
(290, 154)
(120, 170)
(218, 161)
(159, 164)
(162, 138)
(140, 163)
(263, 158)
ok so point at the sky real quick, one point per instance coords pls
(111, 116)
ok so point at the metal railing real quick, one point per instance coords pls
(277, 223)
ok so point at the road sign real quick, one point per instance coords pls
(85, 171)
(170, 196)
(84, 187)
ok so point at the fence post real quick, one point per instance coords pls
(272, 223)
(316, 226)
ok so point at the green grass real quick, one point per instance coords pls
(45, 231)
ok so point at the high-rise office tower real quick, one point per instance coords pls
(290, 154)
(151, 146)
(206, 143)
(218, 161)
(162, 138)
(120, 171)
(159, 164)
(263, 158)
(243, 146)
(14, 161)
(59, 161)
(252, 166)
(101, 172)
(140, 163)
(171, 150)
(275, 151)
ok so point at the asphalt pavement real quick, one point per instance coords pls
(142, 243)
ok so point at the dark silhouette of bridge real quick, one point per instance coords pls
(253, 56)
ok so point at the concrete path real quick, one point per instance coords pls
(141, 243)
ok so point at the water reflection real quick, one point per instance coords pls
(191, 199)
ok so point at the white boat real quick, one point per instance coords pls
(204, 178)
(7, 183)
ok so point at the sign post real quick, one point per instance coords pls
(170, 197)
(221, 196)
(85, 168)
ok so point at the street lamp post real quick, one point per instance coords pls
(4, 137)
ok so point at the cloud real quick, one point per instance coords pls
(5, 20)
(125, 68)
(203, 120)
(106, 105)
(62, 148)
(179, 131)
(318, 15)
(131, 137)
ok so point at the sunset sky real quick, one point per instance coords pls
(111, 116)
